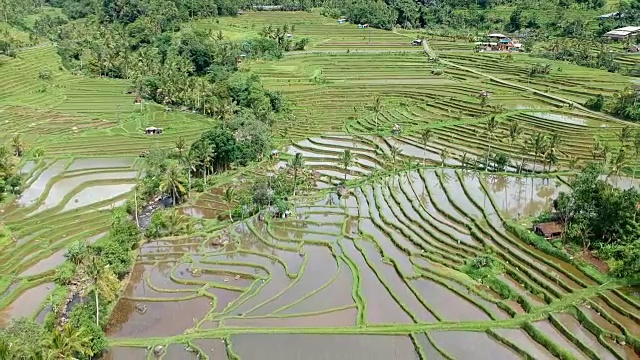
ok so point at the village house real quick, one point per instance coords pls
(550, 230)
(498, 42)
(623, 33)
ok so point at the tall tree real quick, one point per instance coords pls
(346, 160)
(395, 152)
(296, 164)
(490, 128)
(17, 144)
(104, 282)
(426, 136)
(537, 144)
(229, 196)
(625, 134)
(378, 106)
(181, 145)
(171, 183)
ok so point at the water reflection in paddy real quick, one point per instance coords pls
(323, 347)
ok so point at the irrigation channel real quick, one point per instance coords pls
(375, 274)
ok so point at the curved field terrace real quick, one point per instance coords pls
(376, 274)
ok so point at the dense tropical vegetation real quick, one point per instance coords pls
(598, 216)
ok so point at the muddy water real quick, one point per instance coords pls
(223, 297)
(27, 167)
(583, 335)
(472, 345)
(320, 269)
(46, 264)
(321, 217)
(438, 195)
(600, 321)
(178, 351)
(457, 195)
(552, 333)
(36, 189)
(447, 304)
(119, 353)
(292, 234)
(94, 194)
(227, 277)
(63, 187)
(339, 318)
(628, 323)
(100, 163)
(396, 283)
(306, 226)
(215, 349)
(520, 289)
(322, 347)
(158, 276)
(336, 294)
(27, 304)
(381, 307)
(631, 307)
(388, 247)
(161, 318)
(427, 347)
(523, 197)
(271, 287)
(626, 352)
(522, 340)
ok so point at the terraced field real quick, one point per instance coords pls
(376, 274)
(66, 200)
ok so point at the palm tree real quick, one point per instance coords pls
(444, 154)
(573, 162)
(17, 144)
(426, 136)
(626, 133)
(395, 152)
(618, 164)
(296, 163)
(189, 163)
(490, 128)
(229, 196)
(515, 130)
(181, 145)
(67, 343)
(465, 155)
(537, 144)
(552, 147)
(346, 160)
(171, 183)
(104, 282)
(377, 109)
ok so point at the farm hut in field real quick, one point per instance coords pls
(613, 15)
(289, 36)
(633, 48)
(623, 33)
(363, 26)
(153, 131)
(550, 230)
(138, 100)
(341, 21)
(275, 153)
(416, 42)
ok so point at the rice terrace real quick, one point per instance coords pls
(303, 182)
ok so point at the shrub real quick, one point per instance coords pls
(437, 71)
(595, 103)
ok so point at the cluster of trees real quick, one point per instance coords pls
(624, 104)
(601, 217)
(141, 41)
(24, 338)
(10, 179)
(96, 270)
(581, 52)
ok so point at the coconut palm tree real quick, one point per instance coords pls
(515, 130)
(426, 136)
(181, 145)
(618, 163)
(17, 144)
(573, 162)
(104, 282)
(625, 134)
(465, 155)
(67, 343)
(229, 196)
(296, 163)
(537, 144)
(189, 162)
(489, 130)
(444, 154)
(171, 183)
(346, 160)
(378, 106)
(395, 152)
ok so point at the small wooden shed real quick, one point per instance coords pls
(550, 230)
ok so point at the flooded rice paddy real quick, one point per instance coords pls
(376, 274)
